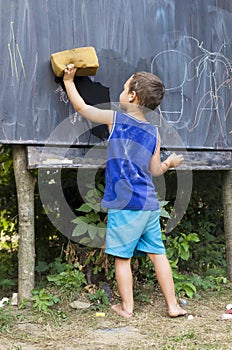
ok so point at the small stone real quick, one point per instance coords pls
(229, 307)
(183, 302)
(190, 317)
(76, 304)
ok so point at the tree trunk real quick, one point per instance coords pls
(227, 205)
(25, 184)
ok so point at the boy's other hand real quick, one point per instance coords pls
(69, 72)
(174, 160)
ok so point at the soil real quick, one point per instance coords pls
(150, 327)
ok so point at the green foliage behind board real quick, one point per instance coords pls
(196, 247)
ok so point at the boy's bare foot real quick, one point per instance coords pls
(176, 311)
(119, 310)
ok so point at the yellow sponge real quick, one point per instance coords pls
(84, 59)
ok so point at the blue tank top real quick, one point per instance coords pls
(129, 182)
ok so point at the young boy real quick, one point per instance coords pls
(133, 154)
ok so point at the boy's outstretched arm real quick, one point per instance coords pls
(158, 168)
(94, 114)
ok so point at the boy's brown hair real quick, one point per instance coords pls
(149, 89)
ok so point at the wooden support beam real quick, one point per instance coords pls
(25, 184)
(227, 205)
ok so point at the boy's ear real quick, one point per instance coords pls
(132, 96)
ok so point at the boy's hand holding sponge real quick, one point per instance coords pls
(84, 59)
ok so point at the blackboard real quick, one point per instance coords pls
(187, 43)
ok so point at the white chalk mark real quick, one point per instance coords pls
(21, 60)
(14, 51)
(11, 60)
(63, 95)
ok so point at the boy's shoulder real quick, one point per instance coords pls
(125, 117)
(123, 120)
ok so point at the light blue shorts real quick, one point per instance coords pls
(133, 233)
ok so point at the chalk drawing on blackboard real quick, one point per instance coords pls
(15, 54)
(62, 94)
(212, 97)
(75, 117)
(177, 115)
(209, 74)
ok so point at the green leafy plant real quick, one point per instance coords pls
(71, 280)
(183, 284)
(210, 282)
(91, 226)
(55, 267)
(7, 270)
(23, 304)
(99, 299)
(178, 249)
(201, 237)
(43, 301)
(142, 297)
(6, 319)
(190, 335)
(58, 266)
(163, 212)
(179, 246)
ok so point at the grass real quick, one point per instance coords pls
(150, 327)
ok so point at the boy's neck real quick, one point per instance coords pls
(136, 113)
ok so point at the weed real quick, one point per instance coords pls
(43, 301)
(99, 298)
(211, 282)
(182, 337)
(91, 226)
(71, 280)
(142, 297)
(179, 246)
(6, 320)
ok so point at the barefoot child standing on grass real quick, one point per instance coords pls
(133, 156)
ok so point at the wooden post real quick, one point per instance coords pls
(227, 205)
(25, 184)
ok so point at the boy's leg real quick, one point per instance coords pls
(124, 279)
(165, 279)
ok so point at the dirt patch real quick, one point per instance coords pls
(150, 328)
